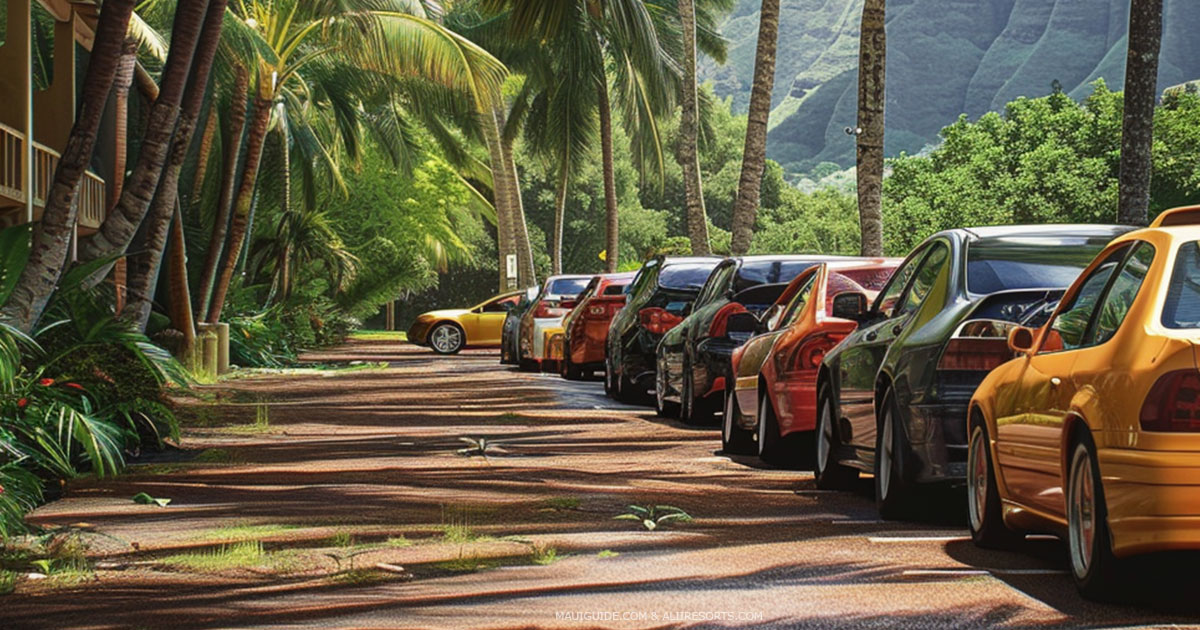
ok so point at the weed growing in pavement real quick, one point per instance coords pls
(243, 555)
(467, 564)
(543, 554)
(607, 553)
(243, 532)
(361, 577)
(461, 534)
(478, 447)
(347, 557)
(560, 503)
(654, 516)
(216, 456)
(8, 582)
(398, 541)
(342, 539)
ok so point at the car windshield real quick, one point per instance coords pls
(567, 286)
(1182, 308)
(1013, 263)
(769, 272)
(685, 275)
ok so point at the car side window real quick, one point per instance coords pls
(1068, 330)
(1121, 294)
(501, 306)
(798, 302)
(716, 284)
(885, 304)
(926, 278)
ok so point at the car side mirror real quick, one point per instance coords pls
(1020, 340)
(743, 322)
(851, 305)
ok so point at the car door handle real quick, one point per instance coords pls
(872, 335)
(897, 329)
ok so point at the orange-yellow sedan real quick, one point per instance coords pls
(448, 331)
(1093, 431)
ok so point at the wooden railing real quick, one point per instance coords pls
(92, 199)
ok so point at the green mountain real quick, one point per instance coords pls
(945, 58)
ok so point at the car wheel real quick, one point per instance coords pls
(663, 407)
(829, 472)
(1093, 564)
(735, 440)
(692, 410)
(892, 486)
(609, 389)
(984, 515)
(774, 448)
(446, 339)
(569, 370)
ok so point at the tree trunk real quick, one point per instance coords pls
(146, 265)
(526, 274)
(52, 237)
(1141, 92)
(122, 225)
(121, 86)
(872, 84)
(285, 262)
(754, 155)
(233, 147)
(260, 120)
(612, 245)
(180, 304)
(560, 212)
(500, 197)
(689, 135)
(203, 154)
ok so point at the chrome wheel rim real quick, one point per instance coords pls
(446, 338)
(886, 454)
(1082, 512)
(977, 479)
(660, 393)
(825, 437)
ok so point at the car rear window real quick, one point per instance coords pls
(685, 275)
(615, 289)
(1182, 308)
(568, 286)
(769, 272)
(1008, 264)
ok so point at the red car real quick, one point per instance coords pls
(773, 401)
(586, 327)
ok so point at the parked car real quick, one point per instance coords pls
(693, 358)
(894, 393)
(512, 326)
(658, 299)
(449, 331)
(586, 326)
(1093, 431)
(771, 398)
(556, 298)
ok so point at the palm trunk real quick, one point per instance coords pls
(560, 212)
(689, 133)
(500, 197)
(182, 316)
(145, 266)
(285, 266)
(52, 237)
(612, 251)
(872, 82)
(526, 274)
(203, 155)
(754, 154)
(233, 147)
(121, 226)
(121, 87)
(1141, 92)
(260, 120)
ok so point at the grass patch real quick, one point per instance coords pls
(244, 532)
(342, 539)
(380, 335)
(243, 555)
(361, 577)
(459, 534)
(607, 553)
(544, 554)
(398, 541)
(217, 456)
(156, 469)
(560, 503)
(467, 564)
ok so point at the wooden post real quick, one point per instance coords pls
(390, 315)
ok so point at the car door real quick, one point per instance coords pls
(489, 319)
(859, 362)
(1029, 436)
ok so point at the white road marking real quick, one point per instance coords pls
(907, 539)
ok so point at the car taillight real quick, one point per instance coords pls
(657, 320)
(813, 352)
(1173, 404)
(977, 346)
(603, 308)
(720, 321)
(549, 309)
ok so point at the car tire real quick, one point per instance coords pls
(447, 338)
(693, 411)
(735, 440)
(569, 370)
(830, 474)
(773, 448)
(1093, 566)
(893, 488)
(663, 407)
(985, 517)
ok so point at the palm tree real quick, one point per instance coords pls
(872, 82)
(754, 155)
(689, 136)
(1141, 92)
(52, 237)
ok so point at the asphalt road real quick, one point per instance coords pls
(376, 453)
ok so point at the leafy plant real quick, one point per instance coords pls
(543, 554)
(607, 553)
(654, 516)
(142, 498)
(478, 446)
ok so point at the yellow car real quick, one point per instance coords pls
(1093, 431)
(451, 330)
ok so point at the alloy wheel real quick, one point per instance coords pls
(1081, 512)
(977, 479)
(446, 339)
(887, 440)
(825, 437)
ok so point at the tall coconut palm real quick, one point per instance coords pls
(754, 154)
(872, 83)
(52, 237)
(1141, 92)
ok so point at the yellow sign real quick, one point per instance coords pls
(603, 254)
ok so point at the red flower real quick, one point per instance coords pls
(46, 382)
(1, 489)
(74, 385)
(22, 403)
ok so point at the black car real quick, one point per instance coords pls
(658, 298)
(693, 357)
(512, 327)
(892, 397)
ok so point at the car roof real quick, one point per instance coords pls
(1049, 230)
(675, 260)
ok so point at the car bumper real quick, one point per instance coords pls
(418, 333)
(937, 435)
(540, 327)
(1153, 499)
